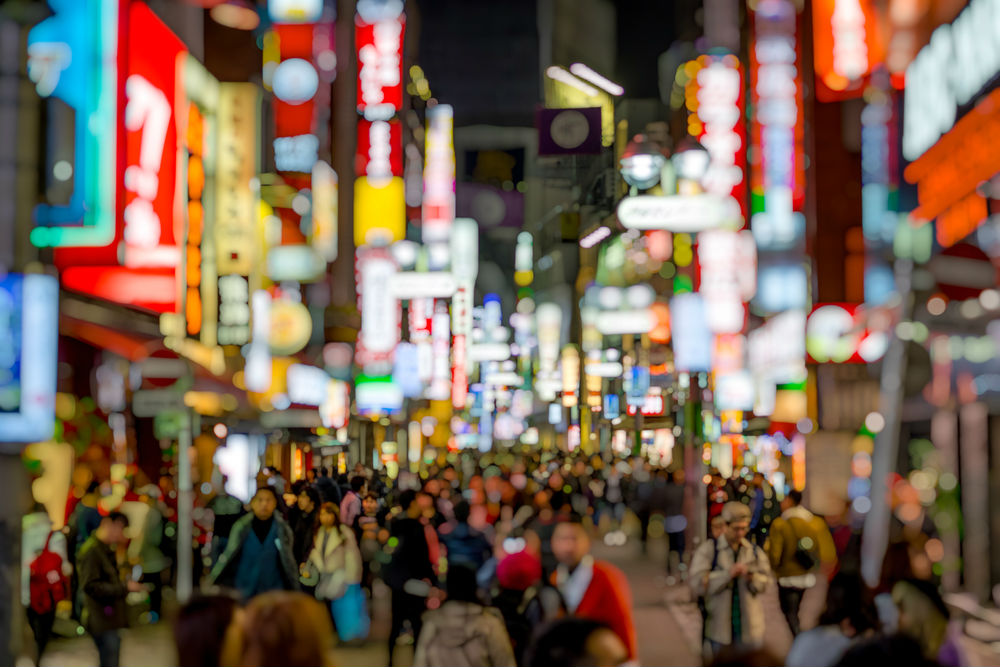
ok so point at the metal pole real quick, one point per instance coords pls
(876, 527)
(185, 505)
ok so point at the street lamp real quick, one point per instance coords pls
(690, 161)
(641, 163)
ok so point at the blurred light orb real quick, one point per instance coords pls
(220, 430)
(62, 170)
(875, 422)
(936, 306)
(990, 299)
(862, 504)
(235, 14)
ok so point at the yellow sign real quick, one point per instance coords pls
(379, 213)
(291, 327)
(236, 167)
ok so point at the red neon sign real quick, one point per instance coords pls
(151, 91)
(380, 150)
(380, 66)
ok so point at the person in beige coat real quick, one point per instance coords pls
(731, 574)
(463, 632)
(334, 557)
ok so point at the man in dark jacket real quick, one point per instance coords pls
(465, 544)
(409, 574)
(258, 557)
(104, 609)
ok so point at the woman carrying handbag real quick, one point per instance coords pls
(334, 565)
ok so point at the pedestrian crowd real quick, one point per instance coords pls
(487, 562)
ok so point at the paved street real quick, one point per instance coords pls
(666, 617)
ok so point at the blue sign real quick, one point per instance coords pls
(29, 339)
(692, 338)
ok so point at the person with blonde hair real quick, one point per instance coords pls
(924, 616)
(284, 628)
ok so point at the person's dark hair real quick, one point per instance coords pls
(562, 643)
(94, 486)
(462, 510)
(737, 656)
(312, 494)
(117, 517)
(357, 483)
(559, 500)
(407, 498)
(795, 496)
(266, 489)
(324, 471)
(846, 599)
(371, 495)
(200, 629)
(298, 486)
(461, 584)
(894, 649)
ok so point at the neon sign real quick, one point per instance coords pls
(80, 67)
(777, 130)
(380, 311)
(960, 59)
(380, 66)
(29, 333)
(439, 175)
(719, 112)
(846, 45)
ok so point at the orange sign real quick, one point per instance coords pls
(847, 43)
(948, 174)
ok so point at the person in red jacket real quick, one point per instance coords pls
(592, 589)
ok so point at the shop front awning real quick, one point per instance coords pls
(129, 345)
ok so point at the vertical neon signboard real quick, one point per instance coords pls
(73, 57)
(777, 130)
(29, 336)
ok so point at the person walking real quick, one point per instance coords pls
(329, 492)
(336, 560)
(591, 588)
(463, 632)
(44, 574)
(350, 506)
(303, 519)
(800, 543)
(259, 556)
(151, 557)
(103, 592)
(464, 544)
(731, 574)
(409, 573)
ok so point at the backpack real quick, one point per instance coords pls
(47, 584)
(806, 550)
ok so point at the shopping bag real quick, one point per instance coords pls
(350, 613)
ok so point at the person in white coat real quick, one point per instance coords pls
(335, 558)
(731, 574)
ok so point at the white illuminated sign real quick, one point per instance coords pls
(234, 310)
(960, 59)
(678, 213)
(728, 262)
(777, 350)
(307, 385)
(489, 352)
(299, 263)
(298, 153)
(619, 322)
(257, 370)
(379, 308)
(719, 89)
(604, 369)
(417, 285)
(295, 11)
(850, 46)
(439, 175)
(734, 391)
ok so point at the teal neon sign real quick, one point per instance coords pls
(72, 56)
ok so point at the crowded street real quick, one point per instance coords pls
(468, 333)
